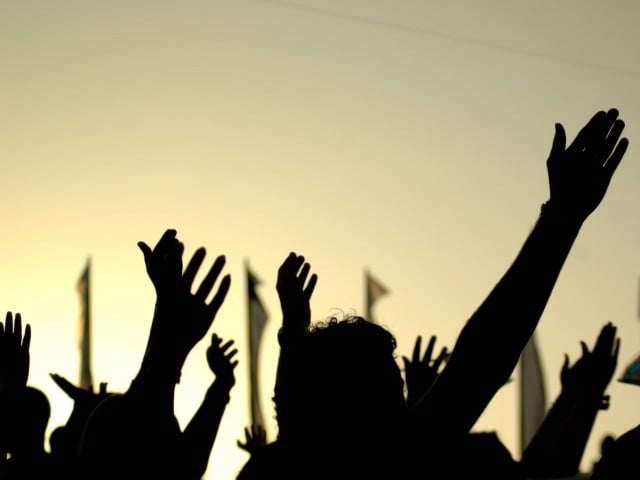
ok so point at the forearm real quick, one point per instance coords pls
(200, 434)
(573, 440)
(540, 458)
(289, 339)
(499, 329)
(163, 359)
(558, 446)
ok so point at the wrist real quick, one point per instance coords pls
(287, 338)
(220, 389)
(162, 363)
(559, 220)
(560, 214)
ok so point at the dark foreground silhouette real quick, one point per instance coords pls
(344, 408)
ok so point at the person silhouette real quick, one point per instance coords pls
(136, 434)
(24, 410)
(497, 332)
(310, 363)
(338, 390)
(557, 447)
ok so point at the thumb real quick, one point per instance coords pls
(585, 349)
(147, 253)
(146, 249)
(559, 142)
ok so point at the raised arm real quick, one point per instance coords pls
(495, 335)
(137, 434)
(557, 448)
(295, 287)
(182, 317)
(294, 293)
(199, 436)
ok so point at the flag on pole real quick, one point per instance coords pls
(257, 316)
(374, 290)
(632, 372)
(84, 326)
(533, 401)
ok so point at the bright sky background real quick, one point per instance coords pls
(407, 137)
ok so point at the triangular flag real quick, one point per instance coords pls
(257, 316)
(374, 290)
(533, 401)
(83, 288)
(631, 373)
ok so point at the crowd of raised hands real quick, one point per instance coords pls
(345, 407)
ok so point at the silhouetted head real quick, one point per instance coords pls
(24, 415)
(350, 390)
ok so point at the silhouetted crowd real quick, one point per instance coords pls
(344, 407)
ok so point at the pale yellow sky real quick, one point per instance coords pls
(409, 138)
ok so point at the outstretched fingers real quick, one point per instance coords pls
(8, 324)
(290, 266)
(192, 267)
(210, 279)
(26, 339)
(417, 347)
(613, 359)
(444, 355)
(429, 351)
(17, 329)
(308, 291)
(304, 272)
(612, 137)
(588, 134)
(220, 295)
(616, 157)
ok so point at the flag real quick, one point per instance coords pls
(84, 326)
(374, 290)
(257, 316)
(533, 399)
(632, 372)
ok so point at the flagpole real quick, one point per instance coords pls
(252, 408)
(84, 290)
(367, 294)
(373, 290)
(256, 318)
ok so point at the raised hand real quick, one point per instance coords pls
(557, 448)
(420, 373)
(14, 352)
(255, 439)
(221, 360)
(580, 174)
(164, 263)
(592, 373)
(182, 317)
(294, 292)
